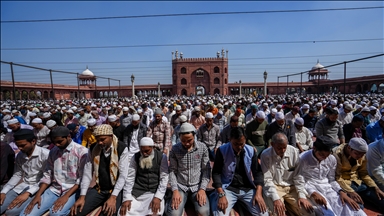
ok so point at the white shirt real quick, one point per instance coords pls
(41, 136)
(345, 118)
(290, 116)
(375, 163)
(304, 138)
(87, 175)
(134, 144)
(170, 114)
(130, 181)
(280, 171)
(28, 171)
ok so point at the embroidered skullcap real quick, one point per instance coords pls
(178, 107)
(135, 117)
(305, 106)
(358, 144)
(273, 111)
(60, 131)
(125, 109)
(112, 118)
(197, 108)
(32, 114)
(348, 107)
(158, 111)
(46, 115)
(104, 129)
(183, 118)
(72, 126)
(12, 121)
(260, 114)
(365, 109)
(146, 141)
(37, 121)
(279, 116)
(371, 108)
(91, 122)
(209, 115)
(299, 121)
(50, 123)
(186, 127)
(70, 111)
(24, 134)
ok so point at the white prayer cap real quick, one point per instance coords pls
(70, 111)
(197, 108)
(279, 116)
(119, 106)
(139, 110)
(273, 111)
(183, 118)
(186, 127)
(371, 108)
(299, 121)
(135, 117)
(333, 102)
(12, 121)
(319, 104)
(37, 121)
(265, 104)
(14, 111)
(348, 107)
(359, 106)
(112, 118)
(6, 111)
(146, 141)
(260, 115)
(50, 123)
(178, 107)
(125, 109)
(46, 115)
(91, 122)
(32, 114)
(305, 106)
(209, 115)
(63, 108)
(358, 144)
(365, 109)
(74, 108)
(279, 106)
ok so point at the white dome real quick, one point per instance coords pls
(88, 73)
(317, 66)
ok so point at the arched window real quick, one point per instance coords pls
(216, 70)
(183, 70)
(216, 81)
(183, 81)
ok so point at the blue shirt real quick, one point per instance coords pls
(20, 119)
(78, 138)
(374, 131)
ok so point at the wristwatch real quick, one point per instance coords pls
(221, 195)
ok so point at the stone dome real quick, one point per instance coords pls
(87, 72)
(317, 66)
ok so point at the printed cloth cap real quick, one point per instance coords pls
(104, 129)
(135, 117)
(146, 141)
(50, 123)
(186, 127)
(91, 122)
(260, 114)
(24, 134)
(112, 118)
(12, 121)
(60, 131)
(358, 144)
(183, 118)
(279, 116)
(299, 121)
(37, 121)
(209, 115)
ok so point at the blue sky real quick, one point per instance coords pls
(330, 25)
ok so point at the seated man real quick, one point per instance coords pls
(146, 182)
(76, 132)
(30, 165)
(375, 164)
(189, 173)
(303, 136)
(317, 166)
(281, 183)
(354, 129)
(61, 178)
(352, 174)
(238, 177)
(7, 160)
(107, 163)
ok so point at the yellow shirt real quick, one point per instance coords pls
(88, 138)
(345, 173)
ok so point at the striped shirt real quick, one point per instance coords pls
(189, 171)
(161, 134)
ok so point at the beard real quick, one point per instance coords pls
(146, 162)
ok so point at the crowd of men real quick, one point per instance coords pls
(306, 155)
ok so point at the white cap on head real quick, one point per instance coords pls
(186, 127)
(125, 109)
(371, 108)
(135, 117)
(358, 144)
(209, 115)
(273, 110)
(146, 141)
(279, 116)
(12, 121)
(32, 114)
(91, 122)
(333, 102)
(305, 106)
(178, 107)
(70, 111)
(197, 108)
(348, 107)
(112, 118)
(46, 115)
(299, 121)
(279, 106)
(37, 121)
(14, 111)
(365, 109)
(183, 118)
(50, 123)
(260, 114)
(139, 110)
